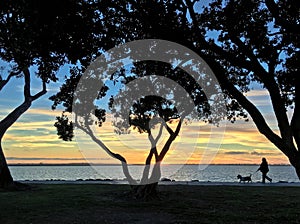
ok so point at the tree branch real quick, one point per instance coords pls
(232, 58)
(153, 145)
(171, 132)
(123, 161)
(41, 93)
(256, 67)
(146, 170)
(212, 46)
(295, 122)
(12, 117)
(273, 88)
(153, 150)
(4, 82)
(274, 10)
(27, 87)
(27, 84)
(257, 117)
(171, 138)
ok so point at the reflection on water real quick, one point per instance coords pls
(214, 173)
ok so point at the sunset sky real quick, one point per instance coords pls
(33, 139)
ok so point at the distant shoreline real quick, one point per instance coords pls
(87, 164)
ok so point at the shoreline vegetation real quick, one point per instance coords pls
(103, 203)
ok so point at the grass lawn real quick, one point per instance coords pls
(178, 204)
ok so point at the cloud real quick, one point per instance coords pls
(258, 92)
(52, 113)
(236, 153)
(236, 146)
(256, 153)
(53, 159)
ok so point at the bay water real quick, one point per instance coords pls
(209, 173)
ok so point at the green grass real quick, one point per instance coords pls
(178, 204)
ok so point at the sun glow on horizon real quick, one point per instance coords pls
(36, 142)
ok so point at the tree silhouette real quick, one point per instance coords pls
(151, 96)
(258, 41)
(42, 35)
(244, 42)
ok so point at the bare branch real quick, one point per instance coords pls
(156, 170)
(12, 117)
(153, 145)
(171, 138)
(159, 133)
(27, 87)
(273, 88)
(295, 122)
(123, 161)
(4, 82)
(41, 93)
(27, 84)
(171, 132)
(17, 112)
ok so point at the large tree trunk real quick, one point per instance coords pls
(295, 124)
(6, 180)
(295, 161)
(145, 192)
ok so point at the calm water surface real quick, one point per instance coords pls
(214, 173)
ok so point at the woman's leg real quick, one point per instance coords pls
(268, 178)
(264, 175)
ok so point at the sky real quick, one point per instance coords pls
(33, 138)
